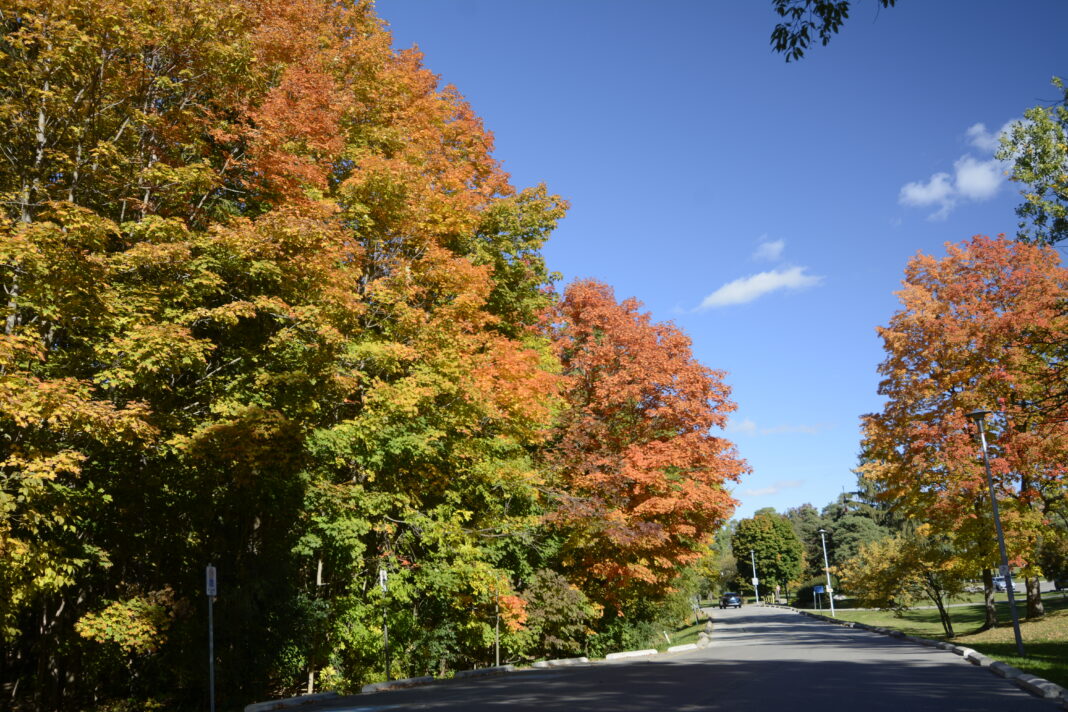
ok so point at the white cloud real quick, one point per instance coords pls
(770, 251)
(774, 489)
(937, 190)
(977, 180)
(986, 141)
(802, 429)
(973, 179)
(748, 427)
(746, 289)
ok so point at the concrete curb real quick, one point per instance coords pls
(396, 684)
(561, 662)
(484, 672)
(631, 654)
(1037, 686)
(290, 702)
(1040, 687)
(682, 648)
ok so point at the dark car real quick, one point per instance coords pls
(730, 599)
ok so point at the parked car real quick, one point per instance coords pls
(730, 599)
(999, 585)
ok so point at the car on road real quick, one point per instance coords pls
(730, 599)
(1000, 586)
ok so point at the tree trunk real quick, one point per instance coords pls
(943, 613)
(1035, 609)
(988, 600)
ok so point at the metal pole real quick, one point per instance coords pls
(496, 628)
(756, 584)
(383, 578)
(211, 653)
(827, 570)
(211, 588)
(979, 417)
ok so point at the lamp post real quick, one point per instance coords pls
(979, 416)
(756, 581)
(827, 570)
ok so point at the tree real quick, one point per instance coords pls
(825, 17)
(270, 303)
(1037, 148)
(775, 547)
(640, 476)
(980, 328)
(894, 572)
(807, 522)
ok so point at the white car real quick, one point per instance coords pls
(999, 584)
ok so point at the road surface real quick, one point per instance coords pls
(760, 659)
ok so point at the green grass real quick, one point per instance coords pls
(679, 636)
(1045, 640)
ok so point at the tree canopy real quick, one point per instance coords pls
(271, 303)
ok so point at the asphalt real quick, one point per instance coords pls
(759, 659)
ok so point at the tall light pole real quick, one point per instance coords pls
(979, 416)
(756, 581)
(827, 570)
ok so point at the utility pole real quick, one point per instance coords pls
(756, 581)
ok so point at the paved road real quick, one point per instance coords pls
(760, 659)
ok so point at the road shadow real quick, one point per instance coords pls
(694, 684)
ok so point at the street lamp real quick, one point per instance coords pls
(827, 570)
(979, 416)
(756, 581)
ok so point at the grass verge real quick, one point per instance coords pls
(1045, 640)
(680, 636)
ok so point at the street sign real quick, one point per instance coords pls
(817, 589)
(211, 586)
(383, 577)
(756, 581)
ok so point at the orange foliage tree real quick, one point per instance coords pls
(643, 478)
(981, 328)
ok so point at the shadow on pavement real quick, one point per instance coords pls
(691, 684)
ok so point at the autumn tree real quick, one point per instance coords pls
(895, 572)
(979, 328)
(640, 475)
(270, 303)
(768, 538)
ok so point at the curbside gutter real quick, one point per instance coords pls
(561, 662)
(631, 654)
(289, 702)
(396, 684)
(484, 672)
(1037, 686)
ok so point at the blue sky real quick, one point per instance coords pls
(766, 208)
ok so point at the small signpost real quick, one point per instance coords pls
(383, 582)
(211, 588)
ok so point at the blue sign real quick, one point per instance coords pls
(818, 589)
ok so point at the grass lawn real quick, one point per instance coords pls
(1046, 640)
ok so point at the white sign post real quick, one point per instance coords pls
(211, 588)
(383, 582)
